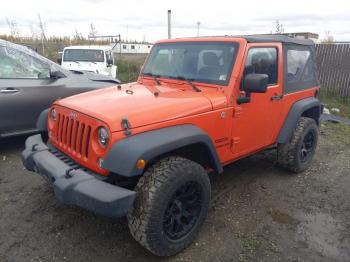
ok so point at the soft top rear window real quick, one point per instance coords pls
(206, 62)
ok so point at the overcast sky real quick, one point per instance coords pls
(138, 20)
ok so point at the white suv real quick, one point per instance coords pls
(97, 59)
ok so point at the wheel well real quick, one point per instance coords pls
(197, 152)
(313, 113)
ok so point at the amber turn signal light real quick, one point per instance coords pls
(141, 163)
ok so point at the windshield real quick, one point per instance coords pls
(207, 62)
(17, 61)
(83, 55)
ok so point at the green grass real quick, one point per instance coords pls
(334, 102)
(250, 243)
(338, 132)
(129, 66)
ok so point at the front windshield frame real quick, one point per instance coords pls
(67, 51)
(235, 45)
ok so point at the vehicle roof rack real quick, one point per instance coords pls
(276, 38)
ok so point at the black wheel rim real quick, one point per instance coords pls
(307, 146)
(183, 211)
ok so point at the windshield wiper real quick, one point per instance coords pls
(189, 81)
(155, 77)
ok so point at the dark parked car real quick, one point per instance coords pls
(30, 83)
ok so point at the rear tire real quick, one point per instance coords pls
(297, 155)
(171, 204)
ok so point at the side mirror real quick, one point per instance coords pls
(253, 83)
(59, 60)
(110, 61)
(55, 74)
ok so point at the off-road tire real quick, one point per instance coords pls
(289, 154)
(155, 189)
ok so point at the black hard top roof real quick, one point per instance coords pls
(276, 38)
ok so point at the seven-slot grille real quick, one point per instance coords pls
(73, 135)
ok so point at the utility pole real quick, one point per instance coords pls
(169, 24)
(198, 26)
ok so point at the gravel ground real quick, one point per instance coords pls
(259, 213)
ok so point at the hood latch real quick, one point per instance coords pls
(126, 126)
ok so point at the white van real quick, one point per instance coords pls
(97, 59)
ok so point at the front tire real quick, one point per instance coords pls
(296, 156)
(172, 202)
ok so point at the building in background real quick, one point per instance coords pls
(304, 35)
(131, 48)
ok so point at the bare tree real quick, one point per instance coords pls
(42, 28)
(14, 30)
(33, 31)
(279, 27)
(93, 31)
(78, 36)
(328, 38)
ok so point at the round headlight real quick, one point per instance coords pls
(53, 114)
(103, 136)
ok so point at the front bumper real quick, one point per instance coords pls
(72, 184)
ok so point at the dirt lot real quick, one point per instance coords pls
(259, 213)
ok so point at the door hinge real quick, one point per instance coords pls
(276, 97)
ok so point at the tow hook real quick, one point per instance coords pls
(68, 172)
(34, 147)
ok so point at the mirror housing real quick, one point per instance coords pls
(59, 60)
(255, 83)
(109, 62)
(55, 74)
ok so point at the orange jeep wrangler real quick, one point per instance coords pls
(144, 149)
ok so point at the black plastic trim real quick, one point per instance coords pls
(41, 123)
(296, 111)
(79, 187)
(123, 156)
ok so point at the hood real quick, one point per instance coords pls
(84, 66)
(138, 104)
(85, 81)
(99, 78)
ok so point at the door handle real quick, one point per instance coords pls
(9, 90)
(276, 97)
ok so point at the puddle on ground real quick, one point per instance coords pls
(321, 232)
(282, 217)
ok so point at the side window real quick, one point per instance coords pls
(15, 64)
(299, 66)
(262, 60)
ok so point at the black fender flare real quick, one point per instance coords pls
(295, 112)
(123, 155)
(41, 123)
